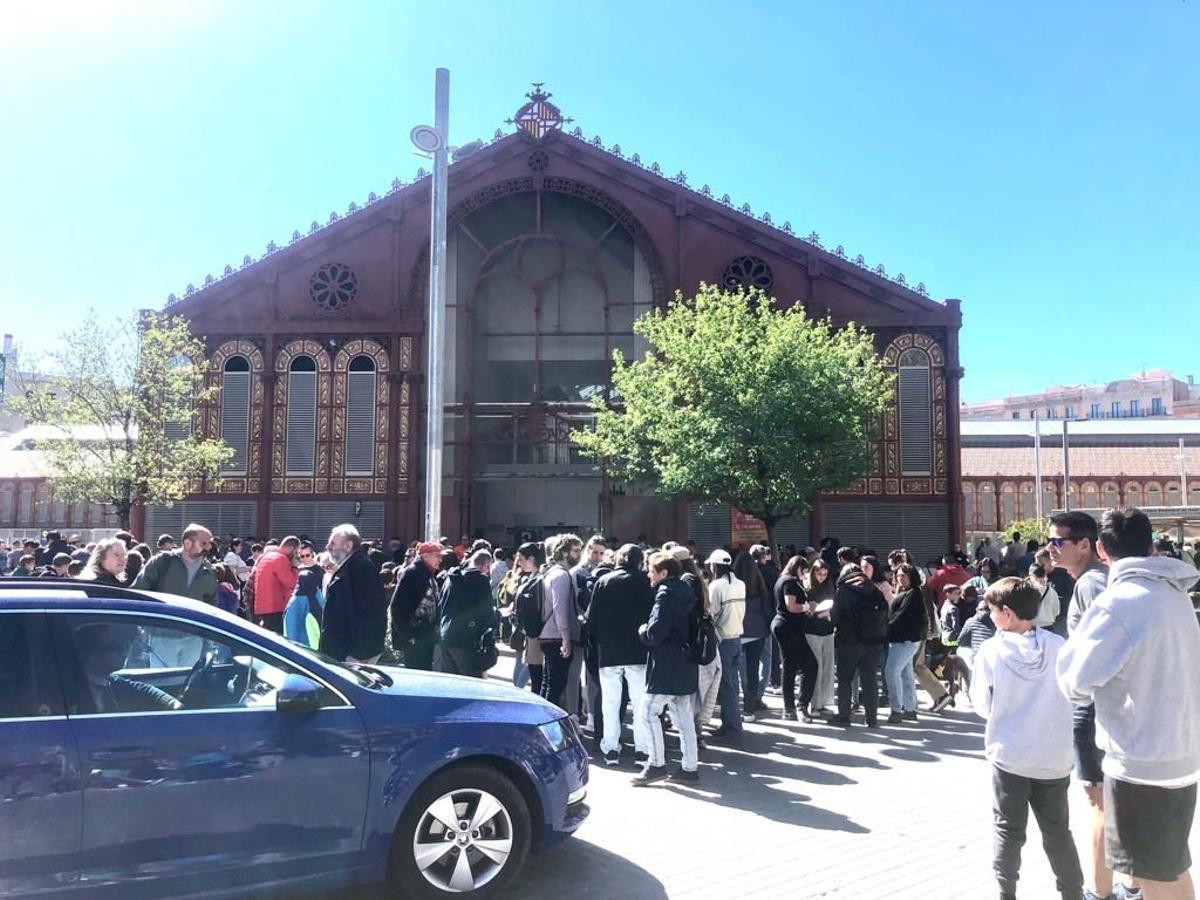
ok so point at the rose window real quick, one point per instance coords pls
(747, 272)
(333, 287)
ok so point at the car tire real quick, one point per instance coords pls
(492, 847)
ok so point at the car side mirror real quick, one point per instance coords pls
(298, 694)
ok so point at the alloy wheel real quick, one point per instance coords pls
(463, 840)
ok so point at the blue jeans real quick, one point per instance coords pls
(520, 671)
(764, 675)
(898, 674)
(727, 694)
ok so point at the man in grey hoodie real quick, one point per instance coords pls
(1136, 654)
(1074, 545)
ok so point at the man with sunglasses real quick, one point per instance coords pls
(1073, 546)
(1136, 655)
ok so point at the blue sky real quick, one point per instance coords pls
(1038, 161)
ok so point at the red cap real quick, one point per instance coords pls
(429, 547)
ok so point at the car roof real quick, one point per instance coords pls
(49, 593)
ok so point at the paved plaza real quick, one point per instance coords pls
(802, 811)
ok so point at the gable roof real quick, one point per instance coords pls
(576, 143)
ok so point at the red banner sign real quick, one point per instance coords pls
(745, 529)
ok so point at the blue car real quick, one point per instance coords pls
(151, 746)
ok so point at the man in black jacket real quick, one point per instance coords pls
(860, 616)
(414, 609)
(620, 605)
(466, 611)
(355, 619)
(54, 546)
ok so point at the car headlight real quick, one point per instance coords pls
(557, 733)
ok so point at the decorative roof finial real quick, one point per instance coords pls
(539, 116)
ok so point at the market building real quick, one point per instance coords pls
(557, 243)
(1152, 464)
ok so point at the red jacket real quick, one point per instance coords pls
(274, 581)
(947, 575)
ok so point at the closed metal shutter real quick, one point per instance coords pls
(708, 526)
(316, 518)
(235, 420)
(793, 531)
(921, 528)
(221, 517)
(177, 431)
(916, 421)
(360, 423)
(301, 423)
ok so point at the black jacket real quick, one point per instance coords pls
(102, 577)
(45, 555)
(414, 607)
(906, 622)
(668, 670)
(621, 603)
(843, 615)
(355, 611)
(466, 609)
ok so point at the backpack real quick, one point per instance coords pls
(528, 605)
(248, 596)
(486, 654)
(702, 639)
(871, 617)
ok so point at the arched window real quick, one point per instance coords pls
(7, 499)
(987, 508)
(1008, 504)
(968, 490)
(916, 424)
(1153, 494)
(1172, 494)
(360, 417)
(25, 505)
(300, 457)
(1049, 497)
(1111, 498)
(1026, 505)
(235, 413)
(1091, 495)
(41, 503)
(1133, 494)
(1194, 490)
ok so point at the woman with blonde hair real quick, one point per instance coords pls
(107, 563)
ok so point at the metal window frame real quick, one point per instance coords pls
(320, 679)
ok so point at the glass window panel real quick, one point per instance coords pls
(575, 303)
(573, 381)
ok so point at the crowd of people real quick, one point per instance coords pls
(1080, 652)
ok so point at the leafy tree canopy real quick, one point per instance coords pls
(1030, 529)
(120, 395)
(742, 402)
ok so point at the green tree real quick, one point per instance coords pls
(113, 390)
(742, 402)
(1031, 529)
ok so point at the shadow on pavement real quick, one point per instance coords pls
(590, 871)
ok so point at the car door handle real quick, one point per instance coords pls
(121, 754)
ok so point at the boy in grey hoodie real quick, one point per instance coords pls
(1028, 736)
(1136, 654)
